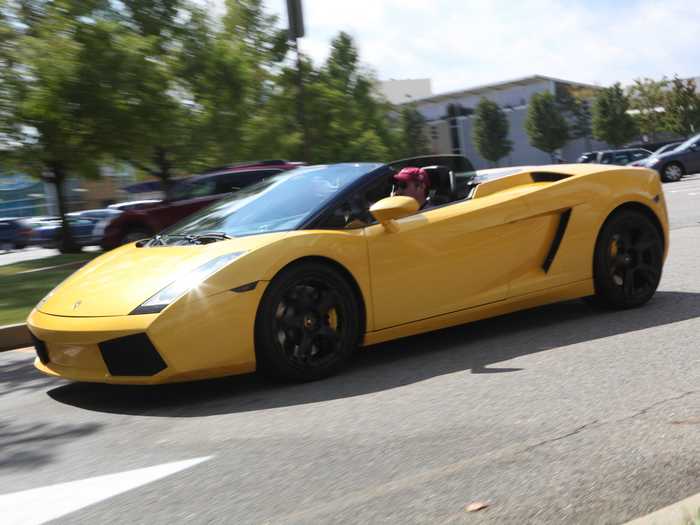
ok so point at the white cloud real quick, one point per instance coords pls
(462, 43)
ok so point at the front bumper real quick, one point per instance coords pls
(205, 338)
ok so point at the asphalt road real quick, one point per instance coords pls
(562, 414)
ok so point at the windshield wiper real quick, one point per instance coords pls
(207, 237)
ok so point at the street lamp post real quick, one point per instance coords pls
(296, 31)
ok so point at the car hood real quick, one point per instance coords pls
(119, 281)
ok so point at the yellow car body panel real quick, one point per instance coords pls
(442, 266)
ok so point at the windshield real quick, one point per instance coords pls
(665, 149)
(279, 203)
(687, 143)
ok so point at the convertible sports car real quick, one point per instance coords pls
(289, 276)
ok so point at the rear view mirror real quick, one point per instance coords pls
(392, 208)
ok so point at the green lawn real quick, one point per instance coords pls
(19, 292)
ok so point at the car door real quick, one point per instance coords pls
(444, 259)
(693, 158)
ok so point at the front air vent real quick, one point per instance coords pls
(133, 355)
(40, 347)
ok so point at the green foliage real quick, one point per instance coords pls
(611, 122)
(159, 84)
(491, 131)
(648, 98)
(414, 133)
(575, 106)
(545, 125)
(683, 107)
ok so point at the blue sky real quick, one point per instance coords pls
(462, 43)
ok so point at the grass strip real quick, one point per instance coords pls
(19, 293)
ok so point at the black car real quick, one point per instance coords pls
(674, 164)
(620, 157)
(14, 233)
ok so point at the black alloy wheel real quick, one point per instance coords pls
(308, 323)
(672, 172)
(628, 260)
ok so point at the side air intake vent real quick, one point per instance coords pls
(547, 177)
(133, 355)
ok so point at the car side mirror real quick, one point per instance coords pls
(386, 211)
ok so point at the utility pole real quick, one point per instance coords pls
(296, 31)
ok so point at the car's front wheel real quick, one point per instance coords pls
(628, 260)
(672, 172)
(308, 323)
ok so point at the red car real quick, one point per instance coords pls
(188, 196)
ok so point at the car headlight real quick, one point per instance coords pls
(184, 284)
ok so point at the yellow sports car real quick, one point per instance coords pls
(291, 275)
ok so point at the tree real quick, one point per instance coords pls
(413, 130)
(491, 131)
(683, 107)
(545, 125)
(648, 98)
(611, 122)
(60, 60)
(574, 103)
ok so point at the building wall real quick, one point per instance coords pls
(402, 91)
(513, 100)
(514, 96)
(522, 154)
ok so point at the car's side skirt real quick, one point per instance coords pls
(552, 295)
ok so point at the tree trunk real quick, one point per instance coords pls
(164, 171)
(66, 242)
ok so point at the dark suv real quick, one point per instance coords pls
(619, 157)
(189, 196)
(674, 164)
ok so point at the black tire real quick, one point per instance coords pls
(308, 323)
(672, 172)
(628, 261)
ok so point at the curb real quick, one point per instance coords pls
(14, 336)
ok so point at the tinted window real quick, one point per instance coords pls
(279, 203)
(235, 181)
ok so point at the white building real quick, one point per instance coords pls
(406, 90)
(453, 134)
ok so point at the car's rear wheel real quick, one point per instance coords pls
(308, 323)
(672, 172)
(628, 261)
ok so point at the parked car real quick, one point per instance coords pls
(95, 215)
(50, 235)
(189, 196)
(672, 165)
(133, 205)
(620, 157)
(15, 233)
(663, 149)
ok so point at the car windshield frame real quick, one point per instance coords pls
(685, 145)
(282, 202)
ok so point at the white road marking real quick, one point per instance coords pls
(44, 504)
